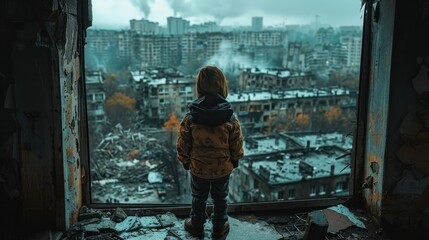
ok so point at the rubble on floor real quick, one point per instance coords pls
(357, 225)
(117, 225)
(156, 227)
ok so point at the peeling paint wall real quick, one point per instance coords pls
(41, 56)
(378, 103)
(406, 178)
(396, 171)
(69, 79)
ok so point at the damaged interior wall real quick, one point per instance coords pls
(406, 177)
(396, 161)
(41, 61)
(378, 97)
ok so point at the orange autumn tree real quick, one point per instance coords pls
(172, 126)
(332, 114)
(287, 122)
(333, 118)
(120, 109)
(302, 120)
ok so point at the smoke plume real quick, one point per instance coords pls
(143, 5)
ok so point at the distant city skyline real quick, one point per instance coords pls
(114, 14)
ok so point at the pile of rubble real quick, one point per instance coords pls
(128, 166)
(97, 225)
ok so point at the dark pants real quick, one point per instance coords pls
(218, 189)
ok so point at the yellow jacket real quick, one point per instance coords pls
(210, 150)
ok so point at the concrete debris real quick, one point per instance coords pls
(119, 215)
(129, 224)
(151, 236)
(89, 215)
(83, 209)
(317, 226)
(104, 236)
(85, 213)
(339, 217)
(167, 220)
(150, 222)
(128, 166)
(162, 226)
(104, 225)
(244, 227)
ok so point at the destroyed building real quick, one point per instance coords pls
(131, 167)
(45, 167)
(279, 103)
(267, 79)
(95, 97)
(280, 167)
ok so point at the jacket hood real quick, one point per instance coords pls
(210, 110)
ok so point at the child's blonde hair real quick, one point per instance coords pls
(211, 80)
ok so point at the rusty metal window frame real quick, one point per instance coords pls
(357, 152)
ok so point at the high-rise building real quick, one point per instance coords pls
(177, 25)
(354, 45)
(257, 23)
(95, 97)
(325, 36)
(204, 27)
(144, 26)
(147, 50)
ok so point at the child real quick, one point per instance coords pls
(210, 145)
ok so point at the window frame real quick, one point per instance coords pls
(357, 152)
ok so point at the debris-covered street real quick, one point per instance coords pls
(131, 167)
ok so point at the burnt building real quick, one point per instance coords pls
(264, 79)
(276, 105)
(292, 166)
(161, 96)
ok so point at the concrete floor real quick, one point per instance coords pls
(98, 225)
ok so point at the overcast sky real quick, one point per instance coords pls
(115, 14)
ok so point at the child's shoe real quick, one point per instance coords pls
(194, 230)
(220, 230)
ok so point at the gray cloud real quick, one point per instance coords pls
(200, 8)
(329, 10)
(335, 12)
(143, 5)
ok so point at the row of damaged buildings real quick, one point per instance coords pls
(264, 99)
(288, 166)
(131, 167)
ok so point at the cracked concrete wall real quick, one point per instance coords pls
(406, 177)
(41, 61)
(69, 80)
(378, 102)
(397, 149)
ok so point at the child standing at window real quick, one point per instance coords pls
(209, 144)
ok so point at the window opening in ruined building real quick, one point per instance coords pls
(293, 71)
